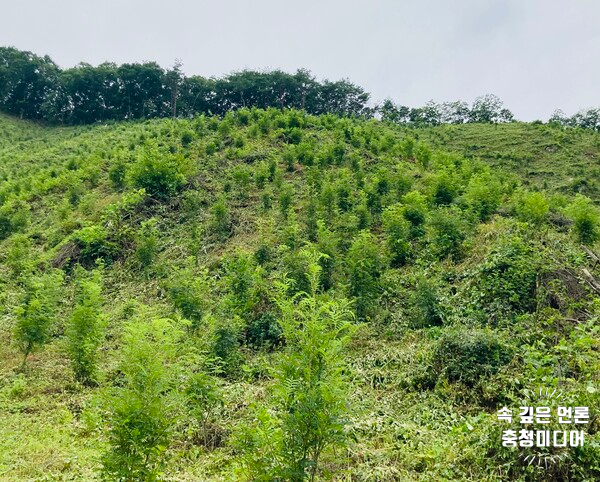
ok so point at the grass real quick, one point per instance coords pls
(406, 422)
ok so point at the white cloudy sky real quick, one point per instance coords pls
(537, 55)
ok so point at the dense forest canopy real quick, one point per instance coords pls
(34, 87)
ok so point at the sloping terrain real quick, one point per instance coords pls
(165, 309)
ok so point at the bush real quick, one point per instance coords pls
(483, 195)
(203, 400)
(310, 391)
(264, 332)
(221, 221)
(117, 173)
(506, 279)
(365, 265)
(225, 347)
(586, 219)
(141, 411)
(397, 230)
(13, 218)
(85, 328)
(161, 174)
(426, 307)
(35, 314)
(189, 294)
(94, 243)
(147, 245)
(531, 207)
(286, 200)
(465, 355)
(447, 232)
(415, 210)
(444, 189)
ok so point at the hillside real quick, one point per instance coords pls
(279, 296)
(543, 156)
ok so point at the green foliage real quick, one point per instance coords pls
(286, 200)
(415, 211)
(189, 294)
(310, 391)
(427, 309)
(447, 232)
(160, 173)
(469, 263)
(586, 219)
(365, 264)
(147, 244)
(506, 279)
(397, 230)
(220, 218)
(140, 411)
(483, 194)
(13, 218)
(95, 243)
(35, 314)
(203, 399)
(466, 355)
(18, 255)
(117, 173)
(444, 189)
(531, 207)
(85, 328)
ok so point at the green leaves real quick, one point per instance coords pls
(141, 411)
(85, 328)
(309, 393)
(35, 314)
(161, 174)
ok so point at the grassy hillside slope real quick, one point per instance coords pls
(544, 156)
(458, 273)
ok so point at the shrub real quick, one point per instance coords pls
(117, 173)
(13, 218)
(397, 229)
(444, 189)
(415, 210)
(266, 201)
(17, 256)
(447, 232)
(426, 307)
(305, 154)
(225, 347)
(506, 279)
(531, 207)
(189, 294)
(85, 328)
(465, 355)
(286, 200)
(241, 177)
(186, 138)
(94, 243)
(586, 219)
(141, 411)
(310, 390)
(264, 331)
(344, 194)
(220, 219)
(147, 245)
(161, 174)
(483, 195)
(365, 264)
(35, 314)
(203, 400)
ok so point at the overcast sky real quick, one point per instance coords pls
(536, 55)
